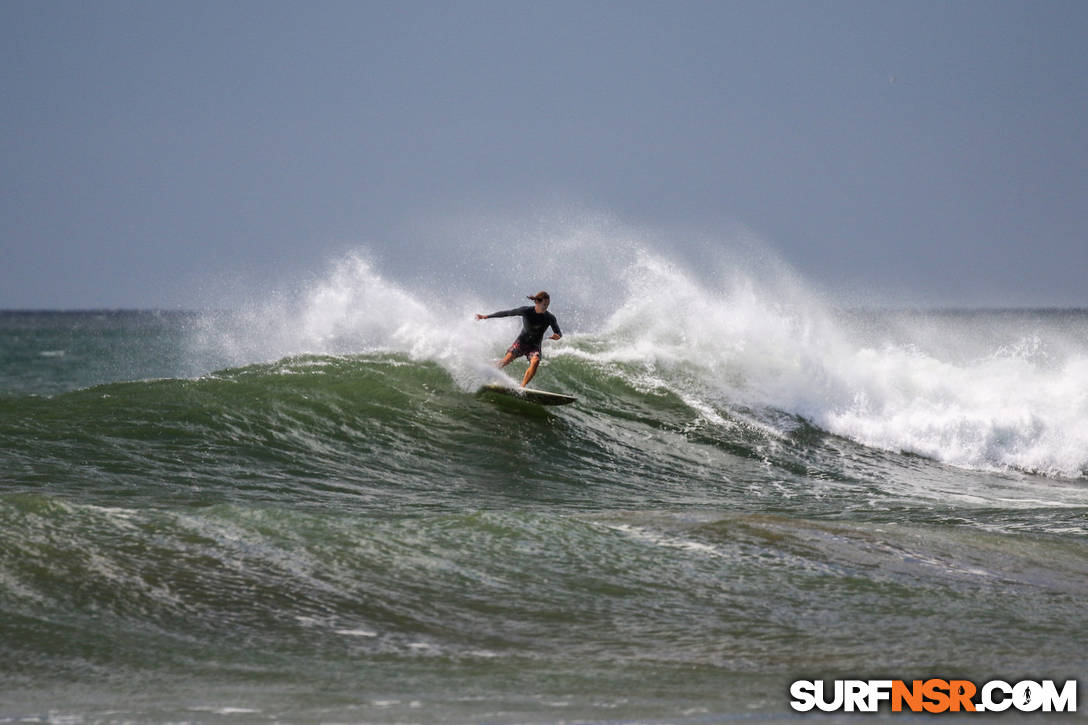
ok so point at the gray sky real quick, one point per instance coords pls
(937, 151)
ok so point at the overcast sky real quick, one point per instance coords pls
(934, 150)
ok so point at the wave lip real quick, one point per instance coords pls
(732, 339)
(982, 390)
(995, 413)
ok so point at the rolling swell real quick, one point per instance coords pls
(333, 526)
(315, 427)
(384, 428)
(361, 537)
(441, 612)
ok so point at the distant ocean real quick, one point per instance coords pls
(261, 516)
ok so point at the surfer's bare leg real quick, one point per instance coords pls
(534, 363)
(506, 360)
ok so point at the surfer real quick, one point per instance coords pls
(535, 320)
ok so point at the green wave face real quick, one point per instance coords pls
(314, 430)
(364, 538)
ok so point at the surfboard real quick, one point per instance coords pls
(543, 397)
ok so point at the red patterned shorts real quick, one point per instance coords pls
(518, 350)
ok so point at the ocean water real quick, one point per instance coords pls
(301, 511)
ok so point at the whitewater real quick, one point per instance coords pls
(296, 507)
(1005, 390)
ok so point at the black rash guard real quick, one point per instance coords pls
(533, 324)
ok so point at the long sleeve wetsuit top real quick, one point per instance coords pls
(533, 324)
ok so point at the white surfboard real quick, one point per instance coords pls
(543, 397)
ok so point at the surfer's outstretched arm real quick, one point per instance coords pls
(503, 313)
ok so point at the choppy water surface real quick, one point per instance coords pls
(316, 518)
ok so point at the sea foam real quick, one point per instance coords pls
(728, 327)
(985, 390)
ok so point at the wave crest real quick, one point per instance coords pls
(730, 336)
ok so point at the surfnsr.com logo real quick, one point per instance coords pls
(933, 696)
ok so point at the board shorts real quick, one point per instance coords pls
(519, 349)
